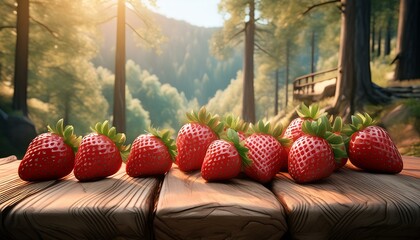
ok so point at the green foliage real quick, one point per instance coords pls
(232, 136)
(62, 81)
(184, 60)
(164, 103)
(70, 70)
(229, 99)
(414, 106)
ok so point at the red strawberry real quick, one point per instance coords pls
(50, 156)
(224, 158)
(371, 148)
(312, 156)
(100, 153)
(294, 129)
(285, 156)
(265, 151)
(237, 124)
(151, 154)
(195, 137)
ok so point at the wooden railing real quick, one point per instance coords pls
(304, 86)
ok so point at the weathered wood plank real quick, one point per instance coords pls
(190, 208)
(116, 207)
(354, 204)
(7, 160)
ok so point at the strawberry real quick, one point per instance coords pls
(371, 148)
(312, 156)
(100, 153)
(195, 137)
(151, 154)
(294, 129)
(237, 124)
(50, 155)
(265, 151)
(337, 129)
(224, 158)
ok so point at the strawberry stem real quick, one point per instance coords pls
(236, 123)
(232, 136)
(165, 137)
(311, 112)
(117, 138)
(322, 128)
(359, 122)
(67, 133)
(276, 131)
(206, 118)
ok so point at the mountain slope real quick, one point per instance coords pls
(185, 61)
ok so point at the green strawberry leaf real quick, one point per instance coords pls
(337, 125)
(236, 123)
(67, 133)
(311, 112)
(165, 136)
(339, 153)
(358, 122)
(118, 138)
(206, 118)
(333, 138)
(322, 128)
(232, 136)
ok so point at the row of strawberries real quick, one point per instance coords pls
(311, 148)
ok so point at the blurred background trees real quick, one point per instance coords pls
(171, 67)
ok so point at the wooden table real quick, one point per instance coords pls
(351, 204)
(190, 208)
(116, 207)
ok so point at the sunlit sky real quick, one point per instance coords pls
(196, 12)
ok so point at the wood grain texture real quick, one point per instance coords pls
(351, 204)
(191, 208)
(354, 204)
(116, 207)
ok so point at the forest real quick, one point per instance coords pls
(72, 59)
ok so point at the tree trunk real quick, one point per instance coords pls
(276, 93)
(365, 92)
(354, 85)
(248, 100)
(119, 87)
(20, 81)
(408, 47)
(286, 84)
(372, 46)
(344, 93)
(387, 47)
(378, 53)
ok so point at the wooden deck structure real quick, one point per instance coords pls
(315, 86)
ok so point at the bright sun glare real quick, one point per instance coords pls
(202, 13)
